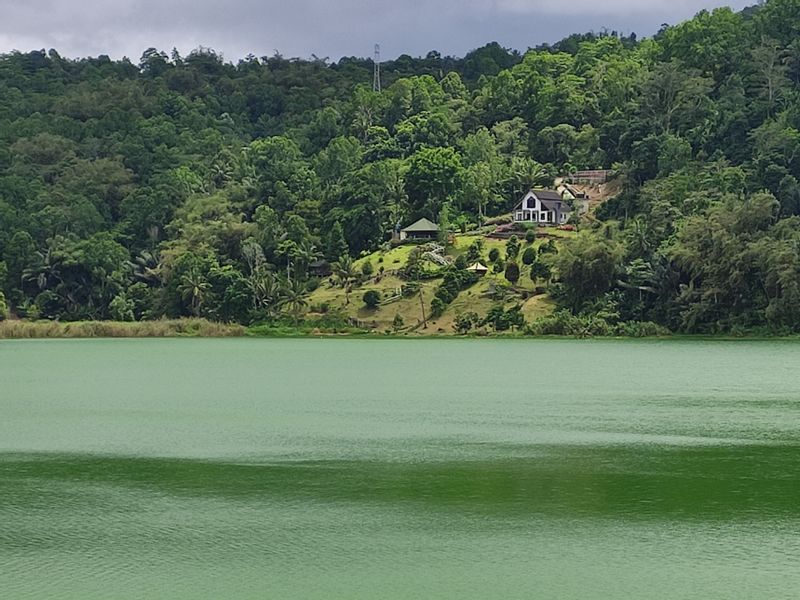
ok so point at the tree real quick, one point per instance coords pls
(529, 256)
(434, 176)
(475, 251)
(444, 224)
(397, 323)
(512, 248)
(346, 272)
(464, 322)
(335, 244)
(121, 308)
(587, 268)
(539, 271)
(194, 289)
(372, 298)
(367, 269)
(294, 298)
(512, 272)
(3, 307)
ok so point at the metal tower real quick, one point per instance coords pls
(376, 78)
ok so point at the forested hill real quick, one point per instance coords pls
(190, 185)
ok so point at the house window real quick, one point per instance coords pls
(519, 216)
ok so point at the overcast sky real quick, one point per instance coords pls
(327, 28)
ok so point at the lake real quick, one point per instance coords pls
(413, 469)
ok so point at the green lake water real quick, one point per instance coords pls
(387, 469)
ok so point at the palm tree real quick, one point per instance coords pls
(147, 268)
(305, 253)
(265, 288)
(193, 288)
(346, 272)
(294, 298)
(47, 273)
(528, 174)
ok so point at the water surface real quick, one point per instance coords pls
(349, 469)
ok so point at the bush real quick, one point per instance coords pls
(641, 329)
(475, 251)
(512, 272)
(465, 322)
(529, 256)
(494, 254)
(366, 269)
(437, 307)
(409, 289)
(121, 308)
(372, 298)
(540, 271)
(397, 322)
(530, 236)
(3, 307)
(548, 248)
(461, 262)
(512, 248)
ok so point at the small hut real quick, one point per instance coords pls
(479, 269)
(421, 230)
(320, 268)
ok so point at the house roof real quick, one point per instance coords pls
(547, 195)
(550, 199)
(556, 205)
(422, 225)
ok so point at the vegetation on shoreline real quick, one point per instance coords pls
(117, 329)
(186, 187)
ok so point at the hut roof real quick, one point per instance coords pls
(422, 225)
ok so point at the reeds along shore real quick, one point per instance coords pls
(13, 329)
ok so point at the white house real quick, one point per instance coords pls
(545, 207)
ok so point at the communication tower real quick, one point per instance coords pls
(376, 78)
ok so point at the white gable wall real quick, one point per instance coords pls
(531, 210)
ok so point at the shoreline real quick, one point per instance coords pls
(202, 328)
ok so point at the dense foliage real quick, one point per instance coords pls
(191, 186)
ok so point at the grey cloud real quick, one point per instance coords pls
(325, 28)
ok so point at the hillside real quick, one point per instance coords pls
(188, 186)
(479, 298)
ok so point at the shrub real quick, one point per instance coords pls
(548, 248)
(641, 329)
(121, 309)
(494, 254)
(540, 270)
(372, 298)
(530, 236)
(499, 266)
(409, 289)
(529, 256)
(461, 262)
(367, 269)
(437, 307)
(397, 322)
(512, 248)
(475, 251)
(512, 272)
(465, 322)
(3, 307)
